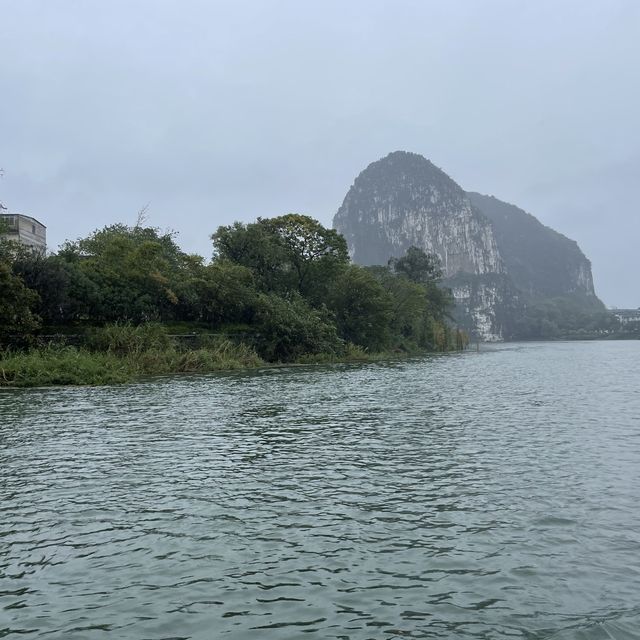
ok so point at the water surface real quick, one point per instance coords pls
(490, 495)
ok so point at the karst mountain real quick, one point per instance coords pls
(511, 276)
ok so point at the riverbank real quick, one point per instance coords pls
(127, 360)
(120, 353)
(68, 365)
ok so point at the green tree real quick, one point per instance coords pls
(136, 273)
(288, 253)
(288, 329)
(253, 246)
(315, 254)
(17, 303)
(362, 308)
(418, 266)
(50, 277)
(425, 269)
(409, 304)
(225, 294)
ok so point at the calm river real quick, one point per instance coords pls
(480, 495)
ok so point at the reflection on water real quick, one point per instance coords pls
(490, 495)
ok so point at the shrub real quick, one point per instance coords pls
(287, 329)
(363, 309)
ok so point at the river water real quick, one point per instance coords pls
(476, 495)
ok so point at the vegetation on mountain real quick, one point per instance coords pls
(540, 261)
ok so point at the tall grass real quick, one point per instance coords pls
(126, 339)
(120, 353)
(351, 353)
(55, 365)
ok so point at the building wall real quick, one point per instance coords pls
(26, 230)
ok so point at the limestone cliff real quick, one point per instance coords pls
(404, 200)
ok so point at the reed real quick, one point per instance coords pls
(55, 365)
(121, 353)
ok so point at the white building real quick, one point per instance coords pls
(24, 229)
(627, 316)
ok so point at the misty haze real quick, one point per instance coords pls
(319, 319)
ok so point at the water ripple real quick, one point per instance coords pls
(484, 496)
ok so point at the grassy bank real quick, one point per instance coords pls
(123, 353)
(120, 353)
(65, 365)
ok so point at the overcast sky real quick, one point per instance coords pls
(219, 111)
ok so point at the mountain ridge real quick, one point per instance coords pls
(520, 236)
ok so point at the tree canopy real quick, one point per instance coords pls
(290, 252)
(285, 284)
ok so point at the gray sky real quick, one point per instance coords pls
(218, 111)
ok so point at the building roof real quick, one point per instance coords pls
(22, 215)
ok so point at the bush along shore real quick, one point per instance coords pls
(126, 302)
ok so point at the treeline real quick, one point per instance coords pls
(571, 317)
(283, 286)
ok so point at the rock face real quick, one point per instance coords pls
(404, 200)
(497, 259)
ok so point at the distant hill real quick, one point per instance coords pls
(511, 276)
(540, 261)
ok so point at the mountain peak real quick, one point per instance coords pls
(411, 166)
(404, 200)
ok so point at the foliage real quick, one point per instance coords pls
(409, 306)
(120, 353)
(563, 317)
(426, 270)
(362, 309)
(419, 304)
(17, 304)
(351, 353)
(291, 252)
(225, 293)
(55, 282)
(132, 273)
(277, 290)
(222, 354)
(252, 246)
(417, 266)
(313, 253)
(287, 329)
